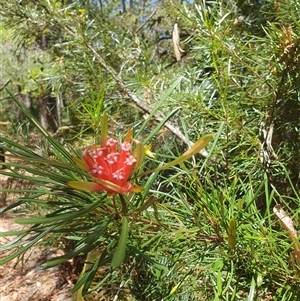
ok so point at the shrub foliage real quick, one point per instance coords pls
(211, 228)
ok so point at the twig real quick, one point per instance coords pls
(175, 130)
(148, 18)
(134, 98)
(267, 151)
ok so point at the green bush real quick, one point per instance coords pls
(207, 229)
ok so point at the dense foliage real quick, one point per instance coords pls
(207, 229)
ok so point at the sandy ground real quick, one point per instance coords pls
(25, 281)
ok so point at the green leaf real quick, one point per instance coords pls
(84, 185)
(158, 105)
(55, 144)
(22, 250)
(84, 246)
(60, 217)
(160, 125)
(119, 254)
(104, 129)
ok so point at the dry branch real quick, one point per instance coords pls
(175, 130)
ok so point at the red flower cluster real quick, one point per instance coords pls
(113, 163)
(110, 164)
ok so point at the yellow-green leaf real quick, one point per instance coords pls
(80, 163)
(137, 189)
(128, 135)
(140, 155)
(232, 233)
(104, 129)
(84, 185)
(174, 289)
(148, 152)
(201, 143)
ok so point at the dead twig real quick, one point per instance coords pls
(267, 151)
(175, 130)
(288, 225)
(148, 18)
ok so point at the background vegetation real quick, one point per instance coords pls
(210, 232)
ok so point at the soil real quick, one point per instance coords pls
(24, 280)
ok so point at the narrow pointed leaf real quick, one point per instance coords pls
(60, 217)
(119, 254)
(148, 152)
(104, 129)
(160, 125)
(80, 163)
(201, 143)
(55, 144)
(140, 155)
(91, 275)
(137, 188)
(174, 289)
(158, 105)
(128, 135)
(85, 186)
(232, 233)
(86, 245)
(27, 247)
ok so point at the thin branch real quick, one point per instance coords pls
(170, 126)
(175, 130)
(148, 18)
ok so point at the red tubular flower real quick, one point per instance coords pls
(110, 164)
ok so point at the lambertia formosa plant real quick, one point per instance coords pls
(89, 200)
